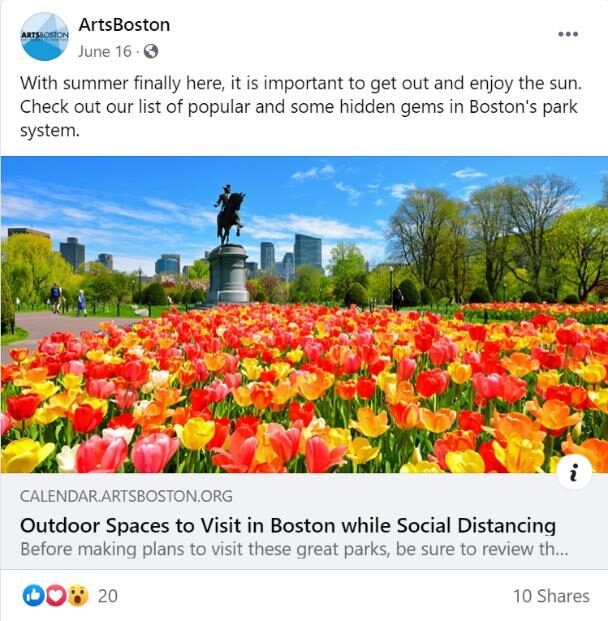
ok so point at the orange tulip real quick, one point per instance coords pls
(554, 414)
(439, 421)
(594, 449)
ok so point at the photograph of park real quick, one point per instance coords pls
(304, 314)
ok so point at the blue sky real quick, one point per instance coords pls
(139, 207)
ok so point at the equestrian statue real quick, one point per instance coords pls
(228, 216)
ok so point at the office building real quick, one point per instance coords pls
(289, 269)
(308, 251)
(267, 257)
(167, 264)
(23, 230)
(186, 271)
(72, 252)
(107, 260)
(251, 270)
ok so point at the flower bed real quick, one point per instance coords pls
(588, 314)
(265, 388)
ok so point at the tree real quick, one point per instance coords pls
(356, 294)
(32, 266)
(307, 285)
(581, 237)
(454, 261)
(379, 281)
(154, 294)
(272, 288)
(347, 266)
(199, 270)
(7, 311)
(490, 230)
(604, 200)
(417, 234)
(532, 208)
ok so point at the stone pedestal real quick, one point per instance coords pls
(227, 276)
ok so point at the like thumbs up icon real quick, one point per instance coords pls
(33, 595)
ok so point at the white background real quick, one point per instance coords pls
(325, 38)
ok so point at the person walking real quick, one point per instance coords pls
(397, 299)
(82, 304)
(55, 298)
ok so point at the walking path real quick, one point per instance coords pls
(41, 324)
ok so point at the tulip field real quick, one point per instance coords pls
(304, 388)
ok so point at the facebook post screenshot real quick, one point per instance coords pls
(304, 310)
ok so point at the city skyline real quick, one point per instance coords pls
(136, 207)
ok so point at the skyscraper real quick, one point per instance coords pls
(289, 269)
(106, 259)
(167, 264)
(307, 251)
(72, 252)
(267, 257)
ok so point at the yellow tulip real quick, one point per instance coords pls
(24, 455)
(520, 455)
(251, 368)
(282, 369)
(547, 378)
(422, 467)
(44, 389)
(295, 355)
(361, 451)
(196, 433)
(369, 424)
(459, 372)
(461, 462)
(338, 437)
(592, 373)
(71, 381)
(242, 395)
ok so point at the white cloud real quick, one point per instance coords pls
(468, 173)
(353, 194)
(285, 227)
(400, 190)
(378, 202)
(324, 172)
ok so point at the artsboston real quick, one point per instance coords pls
(118, 24)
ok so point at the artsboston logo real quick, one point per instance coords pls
(44, 36)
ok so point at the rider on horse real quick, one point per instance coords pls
(223, 200)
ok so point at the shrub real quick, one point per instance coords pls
(187, 297)
(571, 299)
(530, 296)
(411, 297)
(426, 297)
(260, 297)
(480, 295)
(177, 297)
(155, 294)
(197, 296)
(356, 294)
(549, 297)
(8, 309)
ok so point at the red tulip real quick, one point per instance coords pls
(125, 398)
(22, 407)
(470, 421)
(487, 386)
(122, 420)
(567, 337)
(454, 441)
(433, 382)
(512, 388)
(366, 386)
(101, 454)
(406, 368)
(239, 457)
(492, 464)
(6, 422)
(319, 457)
(152, 453)
(85, 418)
(284, 443)
(135, 372)
(222, 429)
(352, 364)
(304, 412)
(100, 388)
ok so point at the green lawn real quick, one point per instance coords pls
(20, 335)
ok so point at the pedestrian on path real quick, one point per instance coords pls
(82, 304)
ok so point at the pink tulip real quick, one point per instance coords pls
(6, 422)
(152, 453)
(100, 388)
(101, 454)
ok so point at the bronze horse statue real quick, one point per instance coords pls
(229, 217)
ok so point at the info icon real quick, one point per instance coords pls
(33, 595)
(56, 595)
(574, 471)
